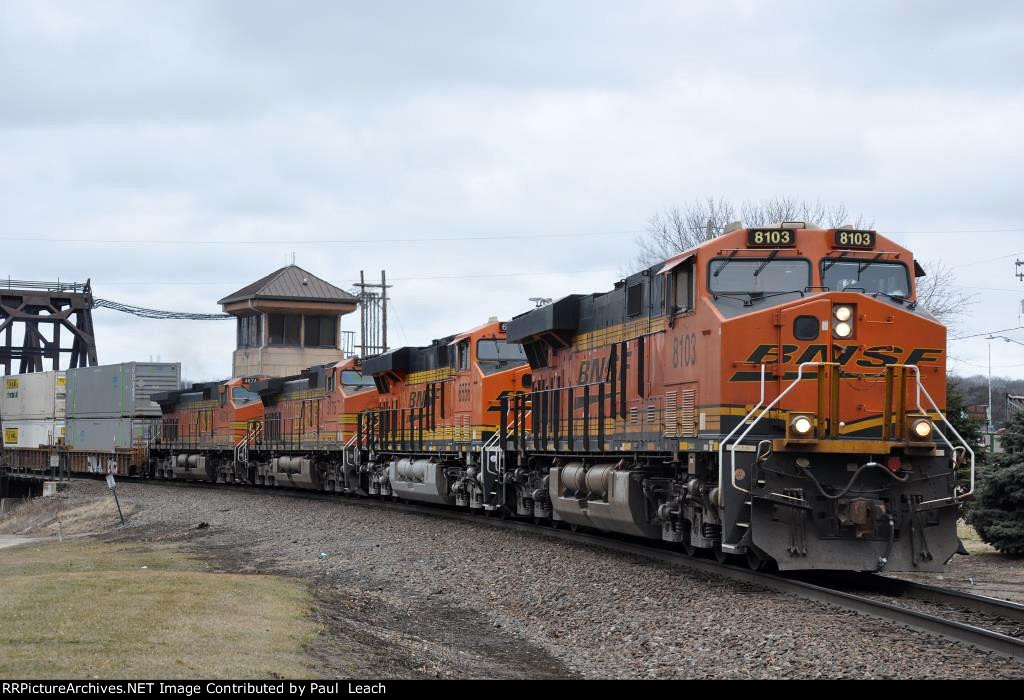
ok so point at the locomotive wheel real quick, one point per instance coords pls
(555, 524)
(573, 527)
(721, 556)
(758, 560)
(688, 547)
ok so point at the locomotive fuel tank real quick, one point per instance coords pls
(420, 480)
(601, 497)
(295, 471)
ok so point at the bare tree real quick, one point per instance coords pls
(937, 293)
(680, 228)
(677, 229)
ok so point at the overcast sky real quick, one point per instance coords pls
(189, 148)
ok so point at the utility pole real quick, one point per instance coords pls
(373, 315)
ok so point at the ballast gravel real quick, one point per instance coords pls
(464, 599)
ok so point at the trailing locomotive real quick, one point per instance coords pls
(433, 436)
(200, 429)
(768, 394)
(309, 420)
(282, 431)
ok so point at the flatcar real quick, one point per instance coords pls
(433, 435)
(774, 393)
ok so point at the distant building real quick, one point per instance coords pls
(287, 321)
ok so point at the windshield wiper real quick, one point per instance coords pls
(765, 263)
(894, 297)
(751, 296)
(727, 261)
(864, 265)
(833, 261)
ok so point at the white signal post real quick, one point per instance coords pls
(112, 485)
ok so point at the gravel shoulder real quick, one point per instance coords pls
(402, 595)
(984, 571)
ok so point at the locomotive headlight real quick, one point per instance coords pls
(801, 425)
(922, 428)
(843, 329)
(843, 313)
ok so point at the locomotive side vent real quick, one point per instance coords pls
(671, 415)
(688, 413)
(634, 415)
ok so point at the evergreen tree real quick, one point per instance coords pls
(998, 511)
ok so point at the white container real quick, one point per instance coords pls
(33, 433)
(33, 396)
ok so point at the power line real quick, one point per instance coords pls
(156, 313)
(976, 335)
(431, 239)
(318, 241)
(487, 275)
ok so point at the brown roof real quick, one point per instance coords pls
(290, 283)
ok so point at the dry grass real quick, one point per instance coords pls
(972, 542)
(39, 516)
(86, 609)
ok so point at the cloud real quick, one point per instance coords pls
(199, 122)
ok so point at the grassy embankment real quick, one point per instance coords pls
(88, 609)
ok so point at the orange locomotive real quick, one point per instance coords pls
(200, 428)
(309, 419)
(775, 392)
(433, 437)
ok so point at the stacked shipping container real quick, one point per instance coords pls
(32, 409)
(109, 407)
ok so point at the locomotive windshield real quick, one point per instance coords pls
(354, 380)
(863, 275)
(499, 352)
(243, 397)
(758, 276)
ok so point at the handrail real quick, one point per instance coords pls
(242, 447)
(489, 444)
(721, 445)
(920, 387)
(732, 448)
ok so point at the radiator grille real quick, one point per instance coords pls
(671, 415)
(687, 412)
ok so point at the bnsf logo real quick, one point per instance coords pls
(873, 357)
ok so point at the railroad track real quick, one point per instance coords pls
(990, 624)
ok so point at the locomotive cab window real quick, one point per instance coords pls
(243, 397)
(634, 299)
(354, 381)
(462, 355)
(867, 276)
(757, 277)
(682, 288)
(495, 355)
